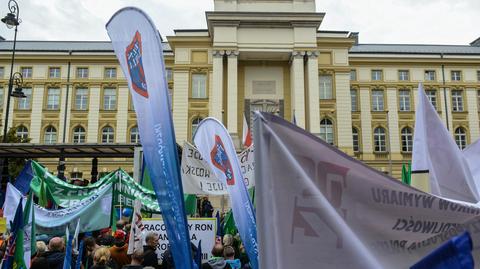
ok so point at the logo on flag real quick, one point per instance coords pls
(135, 65)
(221, 161)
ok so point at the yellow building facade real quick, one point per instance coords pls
(265, 55)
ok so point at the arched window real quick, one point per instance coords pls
(50, 135)
(356, 145)
(134, 135)
(107, 134)
(407, 139)
(22, 132)
(326, 130)
(79, 135)
(195, 122)
(379, 139)
(461, 137)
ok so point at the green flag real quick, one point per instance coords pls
(409, 173)
(42, 197)
(404, 174)
(190, 204)
(30, 245)
(18, 256)
(229, 224)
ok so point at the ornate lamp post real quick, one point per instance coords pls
(12, 21)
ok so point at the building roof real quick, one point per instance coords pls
(64, 46)
(414, 49)
(23, 150)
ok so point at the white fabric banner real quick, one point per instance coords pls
(93, 212)
(203, 229)
(320, 208)
(435, 150)
(136, 231)
(198, 179)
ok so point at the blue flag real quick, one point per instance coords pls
(456, 253)
(138, 47)
(198, 255)
(80, 255)
(67, 262)
(22, 182)
(219, 225)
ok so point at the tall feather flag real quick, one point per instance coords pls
(247, 134)
(138, 47)
(67, 262)
(136, 230)
(29, 230)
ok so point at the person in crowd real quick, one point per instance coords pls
(229, 255)
(149, 255)
(119, 249)
(167, 258)
(206, 208)
(137, 260)
(101, 259)
(39, 263)
(90, 247)
(217, 261)
(105, 238)
(56, 253)
(41, 248)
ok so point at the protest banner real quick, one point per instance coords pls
(320, 208)
(200, 229)
(197, 177)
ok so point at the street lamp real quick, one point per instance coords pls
(12, 21)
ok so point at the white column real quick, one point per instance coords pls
(344, 112)
(393, 120)
(450, 109)
(180, 104)
(216, 97)
(232, 90)
(297, 79)
(71, 96)
(441, 106)
(122, 116)
(313, 93)
(63, 99)
(471, 94)
(93, 112)
(36, 116)
(366, 117)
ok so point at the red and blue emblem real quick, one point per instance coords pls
(220, 160)
(135, 65)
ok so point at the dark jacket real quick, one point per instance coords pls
(55, 259)
(216, 263)
(129, 266)
(150, 257)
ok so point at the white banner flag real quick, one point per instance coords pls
(320, 208)
(435, 151)
(198, 179)
(135, 240)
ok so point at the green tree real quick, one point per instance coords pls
(15, 165)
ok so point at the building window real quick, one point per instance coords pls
(456, 75)
(430, 75)
(354, 99)
(432, 97)
(325, 87)
(404, 100)
(377, 100)
(326, 131)
(461, 137)
(195, 123)
(2, 72)
(50, 135)
(376, 75)
(403, 75)
(199, 86)
(356, 145)
(109, 98)
(107, 134)
(2, 92)
(53, 99)
(54, 72)
(134, 135)
(379, 139)
(79, 135)
(81, 99)
(457, 101)
(110, 72)
(24, 103)
(353, 75)
(407, 139)
(169, 74)
(82, 72)
(22, 132)
(26, 72)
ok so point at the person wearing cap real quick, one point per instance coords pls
(119, 249)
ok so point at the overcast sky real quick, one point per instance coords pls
(378, 21)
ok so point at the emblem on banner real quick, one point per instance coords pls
(135, 65)
(220, 160)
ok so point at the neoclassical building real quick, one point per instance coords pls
(254, 55)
